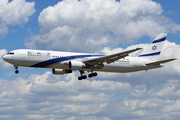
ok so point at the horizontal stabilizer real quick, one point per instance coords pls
(162, 61)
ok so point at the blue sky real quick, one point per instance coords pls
(103, 26)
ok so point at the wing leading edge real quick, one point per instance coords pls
(113, 57)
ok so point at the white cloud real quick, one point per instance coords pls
(151, 78)
(37, 96)
(3, 29)
(16, 12)
(168, 51)
(48, 97)
(88, 25)
(142, 95)
(3, 64)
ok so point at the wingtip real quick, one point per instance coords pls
(139, 48)
(174, 58)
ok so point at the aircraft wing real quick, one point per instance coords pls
(161, 61)
(113, 57)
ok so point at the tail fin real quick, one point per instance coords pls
(153, 51)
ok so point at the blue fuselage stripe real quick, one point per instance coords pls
(151, 54)
(160, 40)
(56, 60)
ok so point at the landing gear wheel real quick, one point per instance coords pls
(92, 75)
(17, 71)
(82, 77)
(16, 67)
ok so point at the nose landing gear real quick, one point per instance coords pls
(16, 67)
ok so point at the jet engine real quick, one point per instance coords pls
(61, 71)
(76, 65)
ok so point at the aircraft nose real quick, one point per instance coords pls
(5, 57)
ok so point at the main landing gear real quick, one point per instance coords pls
(16, 69)
(84, 76)
(92, 75)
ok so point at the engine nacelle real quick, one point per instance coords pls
(61, 71)
(76, 65)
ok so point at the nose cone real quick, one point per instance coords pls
(5, 58)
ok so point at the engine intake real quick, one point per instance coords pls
(61, 71)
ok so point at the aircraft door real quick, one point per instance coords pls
(134, 62)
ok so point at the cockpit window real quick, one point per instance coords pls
(11, 53)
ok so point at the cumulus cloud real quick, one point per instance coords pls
(111, 96)
(151, 78)
(48, 96)
(39, 93)
(3, 64)
(88, 25)
(16, 12)
(142, 95)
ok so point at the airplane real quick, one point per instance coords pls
(65, 62)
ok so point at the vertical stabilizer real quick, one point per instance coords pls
(153, 51)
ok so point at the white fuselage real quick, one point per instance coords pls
(59, 60)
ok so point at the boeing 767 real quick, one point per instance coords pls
(65, 62)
